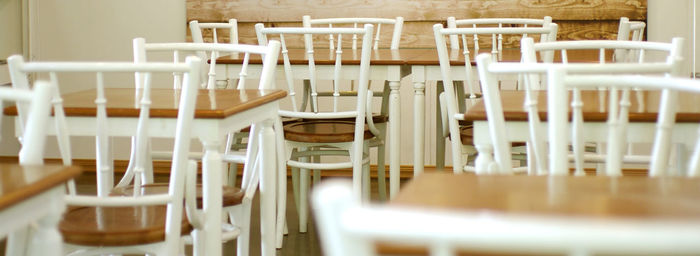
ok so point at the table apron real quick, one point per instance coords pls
(638, 132)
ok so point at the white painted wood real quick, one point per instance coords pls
(456, 101)
(349, 227)
(301, 151)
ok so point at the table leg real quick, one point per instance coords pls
(395, 133)
(418, 127)
(47, 240)
(281, 183)
(212, 194)
(484, 159)
(268, 171)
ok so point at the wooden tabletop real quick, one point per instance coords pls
(18, 183)
(594, 110)
(325, 56)
(669, 198)
(121, 102)
(405, 56)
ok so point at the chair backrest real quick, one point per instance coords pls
(531, 72)
(618, 87)
(211, 51)
(20, 70)
(495, 28)
(453, 95)
(36, 105)
(515, 29)
(197, 30)
(397, 24)
(630, 30)
(354, 109)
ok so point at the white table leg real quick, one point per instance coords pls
(418, 127)
(281, 183)
(418, 75)
(212, 196)
(395, 133)
(268, 171)
(47, 240)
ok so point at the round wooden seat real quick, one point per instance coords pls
(116, 226)
(322, 131)
(376, 118)
(231, 195)
(466, 133)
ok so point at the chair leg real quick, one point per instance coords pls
(243, 240)
(381, 165)
(17, 242)
(232, 174)
(365, 175)
(317, 173)
(282, 157)
(303, 199)
(439, 136)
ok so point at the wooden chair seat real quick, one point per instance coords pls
(231, 195)
(466, 133)
(377, 118)
(116, 226)
(322, 131)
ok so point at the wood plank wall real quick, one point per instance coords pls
(577, 19)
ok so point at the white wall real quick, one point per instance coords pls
(668, 19)
(11, 31)
(86, 30)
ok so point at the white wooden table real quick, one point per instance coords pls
(217, 113)
(34, 194)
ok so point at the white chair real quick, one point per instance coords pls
(237, 201)
(197, 30)
(35, 106)
(663, 58)
(618, 86)
(453, 100)
(630, 30)
(348, 227)
(379, 119)
(235, 148)
(338, 129)
(471, 41)
(113, 224)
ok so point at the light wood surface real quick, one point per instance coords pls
(577, 20)
(121, 102)
(116, 226)
(688, 109)
(320, 131)
(669, 198)
(404, 56)
(18, 183)
(297, 56)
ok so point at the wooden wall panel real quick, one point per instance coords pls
(418, 34)
(577, 19)
(413, 10)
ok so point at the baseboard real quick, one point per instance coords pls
(163, 167)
